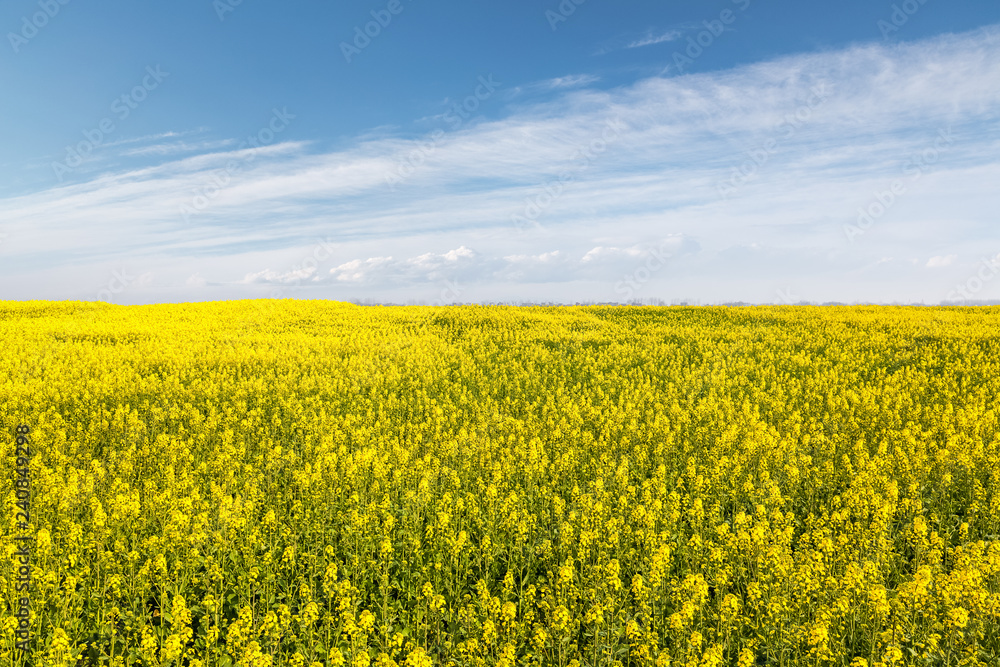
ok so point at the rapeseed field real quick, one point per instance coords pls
(305, 483)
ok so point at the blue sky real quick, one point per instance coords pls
(469, 151)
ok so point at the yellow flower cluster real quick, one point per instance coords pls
(326, 485)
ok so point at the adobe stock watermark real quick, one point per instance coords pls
(220, 179)
(535, 205)
(30, 26)
(885, 199)
(988, 268)
(381, 18)
(899, 17)
(121, 281)
(122, 107)
(706, 38)
(656, 259)
(449, 293)
(565, 9)
(787, 296)
(223, 7)
(455, 117)
(758, 157)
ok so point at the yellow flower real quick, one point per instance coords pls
(632, 631)
(366, 621)
(418, 658)
(172, 648)
(489, 632)
(560, 619)
(892, 655)
(818, 634)
(958, 617)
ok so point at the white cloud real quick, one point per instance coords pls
(459, 253)
(357, 270)
(270, 277)
(424, 268)
(168, 148)
(470, 266)
(650, 39)
(544, 258)
(148, 137)
(940, 261)
(600, 252)
(558, 84)
(571, 81)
